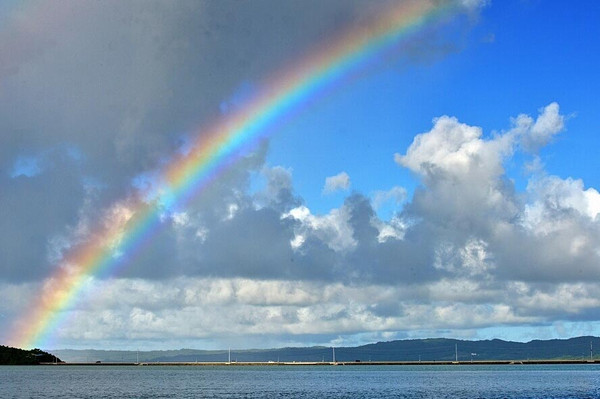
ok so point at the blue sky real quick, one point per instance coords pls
(518, 57)
(449, 189)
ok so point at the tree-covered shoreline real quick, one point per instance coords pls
(16, 356)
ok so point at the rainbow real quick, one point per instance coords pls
(127, 225)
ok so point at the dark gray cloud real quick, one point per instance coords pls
(122, 85)
(33, 210)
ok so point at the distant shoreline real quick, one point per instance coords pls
(431, 351)
(357, 363)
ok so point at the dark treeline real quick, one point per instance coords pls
(15, 356)
(434, 349)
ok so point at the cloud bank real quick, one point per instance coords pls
(466, 252)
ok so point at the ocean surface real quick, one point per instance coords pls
(457, 381)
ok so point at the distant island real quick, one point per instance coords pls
(414, 350)
(15, 356)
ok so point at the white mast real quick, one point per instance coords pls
(456, 352)
(333, 350)
(229, 361)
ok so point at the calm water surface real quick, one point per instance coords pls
(556, 381)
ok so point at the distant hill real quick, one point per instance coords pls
(15, 356)
(432, 349)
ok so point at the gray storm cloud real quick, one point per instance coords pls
(95, 94)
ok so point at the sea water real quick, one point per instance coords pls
(456, 381)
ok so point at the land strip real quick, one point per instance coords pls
(357, 363)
